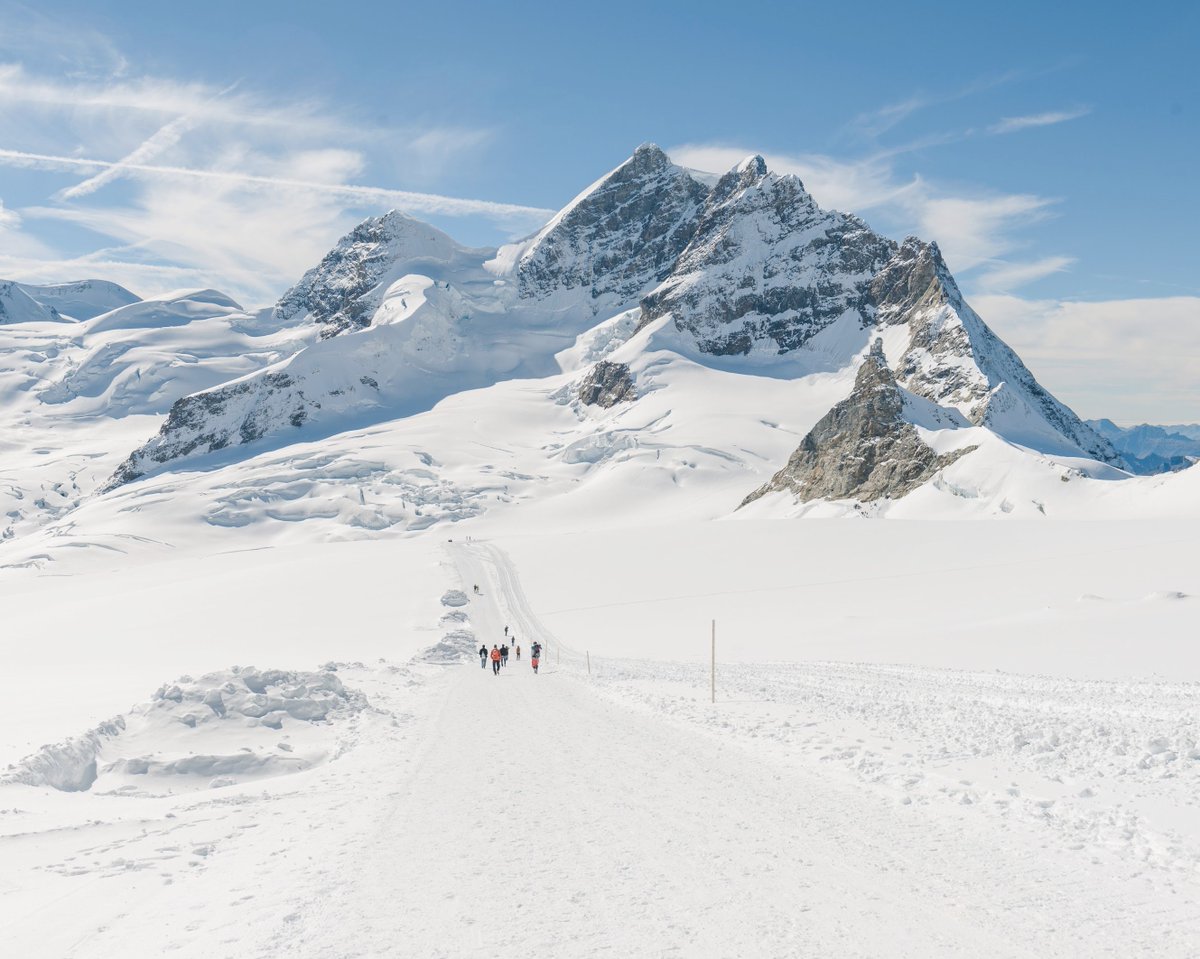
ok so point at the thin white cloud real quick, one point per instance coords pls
(871, 124)
(77, 50)
(158, 97)
(15, 241)
(402, 199)
(974, 230)
(1010, 276)
(225, 185)
(1050, 118)
(8, 219)
(1130, 360)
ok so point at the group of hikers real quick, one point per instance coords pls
(498, 656)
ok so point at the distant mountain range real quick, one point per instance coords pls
(1152, 449)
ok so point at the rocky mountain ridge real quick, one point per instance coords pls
(866, 448)
(748, 270)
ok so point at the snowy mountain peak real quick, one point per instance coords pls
(767, 269)
(344, 290)
(617, 238)
(754, 165)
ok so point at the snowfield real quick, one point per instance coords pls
(818, 808)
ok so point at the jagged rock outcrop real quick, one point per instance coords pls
(767, 268)
(343, 291)
(620, 237)
(607, 384)
(955, 359)
(240, 412)
(864, 448)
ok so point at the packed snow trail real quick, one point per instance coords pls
(539, 816)
(540, 819)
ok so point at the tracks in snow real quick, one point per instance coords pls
(550, 816)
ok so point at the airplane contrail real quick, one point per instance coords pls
(406, 199)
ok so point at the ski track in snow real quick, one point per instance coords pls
(564, 815)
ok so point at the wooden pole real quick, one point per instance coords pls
(713, 673)
(589, 661)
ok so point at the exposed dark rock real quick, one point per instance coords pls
(861, 449)
(767, 268)
(342, 292)
(622, 237)
(607, 384)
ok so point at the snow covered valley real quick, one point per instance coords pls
(855, 790)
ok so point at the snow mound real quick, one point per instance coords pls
(454, 597)
(1166, 594)
(456, 646)
(226, 727)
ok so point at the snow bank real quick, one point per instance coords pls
(225, 727)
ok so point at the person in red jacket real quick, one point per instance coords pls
(495, 660)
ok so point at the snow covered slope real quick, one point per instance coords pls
(75, 396)
(83, 299)
(17, 306)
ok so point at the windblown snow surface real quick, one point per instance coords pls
(242, 711)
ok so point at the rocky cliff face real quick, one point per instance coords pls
(767, 268)
(864, 448)
(607, 384)
(618, 238)
(954, 359)
(206, 422)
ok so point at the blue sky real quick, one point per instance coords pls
(1050, 149)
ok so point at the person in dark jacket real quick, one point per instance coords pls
(483, 657)
(504, 655)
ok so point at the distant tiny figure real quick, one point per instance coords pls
(534, 662)
(495, 661)
(476, 587)
(504, 655)
(518, 654)
(505, 630)
(483, 657)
